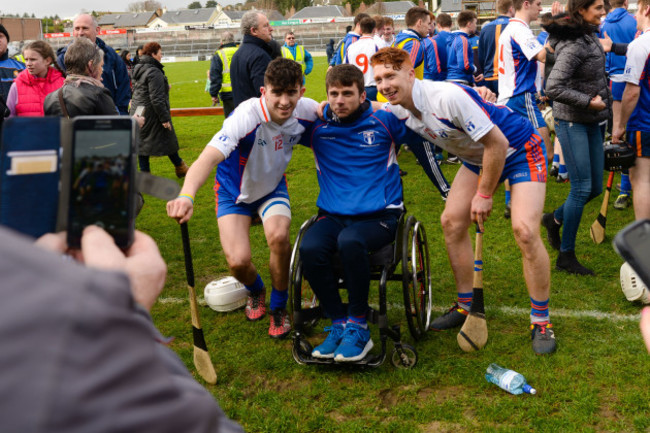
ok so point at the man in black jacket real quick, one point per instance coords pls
(250, 61)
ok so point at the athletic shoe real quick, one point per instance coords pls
(255, 308)
(554, 170)
(552, 230)
(453, 318)
(403, 173)
(562, 178)
(622, 202)
(454, 160)
(507, 212)
(355, 344)
(280, 325)
(543, 338)
(328, 347)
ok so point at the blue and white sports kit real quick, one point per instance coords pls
(487, 51)
(460, 59)
(637, 71)
(257, 152)
(455, 118)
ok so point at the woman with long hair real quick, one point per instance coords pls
(581, 98)
(41, 76)
(151, 90)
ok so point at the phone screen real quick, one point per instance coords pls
(102, 179)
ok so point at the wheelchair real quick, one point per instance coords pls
(409, 248)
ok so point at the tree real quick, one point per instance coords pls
(211, 4)
(152, 5)
(194, 5)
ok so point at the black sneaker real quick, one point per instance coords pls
(567, 261)
(554, 171)
(552, 230)
(543, 338)
(453, 318)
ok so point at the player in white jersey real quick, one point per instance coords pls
(252, 151)
(359, 54)
(518, 53)
(635, 110)
(506, 146)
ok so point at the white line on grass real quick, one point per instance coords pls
(508, 311)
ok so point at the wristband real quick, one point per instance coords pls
(187, 196)
(483, 195)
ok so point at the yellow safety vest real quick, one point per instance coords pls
(20, 58)
(300, 56)
(225, 54)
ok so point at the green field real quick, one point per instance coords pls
(597, 381)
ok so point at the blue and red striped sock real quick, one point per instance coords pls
(465, 300)
(359, 320)
(539, 311)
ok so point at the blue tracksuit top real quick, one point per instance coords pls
(487, 46)
(460, 61)
(621, 28)
(435, 50)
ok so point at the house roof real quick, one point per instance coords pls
(320, 12)
(140, 19)
(391, 8)
(184, 16)
(234, 15)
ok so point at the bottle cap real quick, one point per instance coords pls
(529, 389)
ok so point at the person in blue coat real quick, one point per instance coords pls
(115, 76)
(435, 48)
(460, 61)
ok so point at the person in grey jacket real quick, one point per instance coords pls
(581, 98)
(151, 90)
(79, 350)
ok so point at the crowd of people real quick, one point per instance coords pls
(474, 94)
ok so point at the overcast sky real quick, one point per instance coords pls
(67, 8)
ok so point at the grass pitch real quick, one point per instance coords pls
(596, 382)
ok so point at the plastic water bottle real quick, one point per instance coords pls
(508, 380)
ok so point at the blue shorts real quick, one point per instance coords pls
(528, 164)
(226, 204)
(524, 104)
(617, 90)
(640, 141)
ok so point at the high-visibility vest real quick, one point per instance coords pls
(225, 54)
(300, 56)
(419, 70)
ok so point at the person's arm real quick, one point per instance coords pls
(628, 104)
(216, 76)
(309, 63)
(123, 90)
(12, 100)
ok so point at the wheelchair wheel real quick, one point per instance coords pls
(301, 350)
(404, 357)
(300, 293)
(416, 278)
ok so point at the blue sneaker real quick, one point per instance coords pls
(355, 345)
(327, 348)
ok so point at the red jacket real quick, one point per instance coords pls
(33, 90)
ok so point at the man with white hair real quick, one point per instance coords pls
(115, 76)
(250, 61)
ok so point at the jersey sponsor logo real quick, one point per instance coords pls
(469, 125)
(369, 137)
(261, 142)
(532, 44)
(293, 139)
(223, 138)
(432, 135)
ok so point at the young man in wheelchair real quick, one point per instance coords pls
(252, 151)
(360, 203)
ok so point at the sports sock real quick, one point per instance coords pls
(562, 169)
(556, 159)
(256, 286)
(539, 311)
(465, 300)
(507, 197)
(340, 321)
(359, 320)
(278, 299)
(626, 186)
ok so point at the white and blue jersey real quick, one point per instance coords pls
(637, 71)
(517, 69)
(357, 165)
(258, 150)
(455, 118)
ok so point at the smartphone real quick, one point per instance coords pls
(102, 178)
(139, 111)
(633, 244)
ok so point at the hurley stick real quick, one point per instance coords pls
(202, 360)
(474, 334)
(598, 227)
